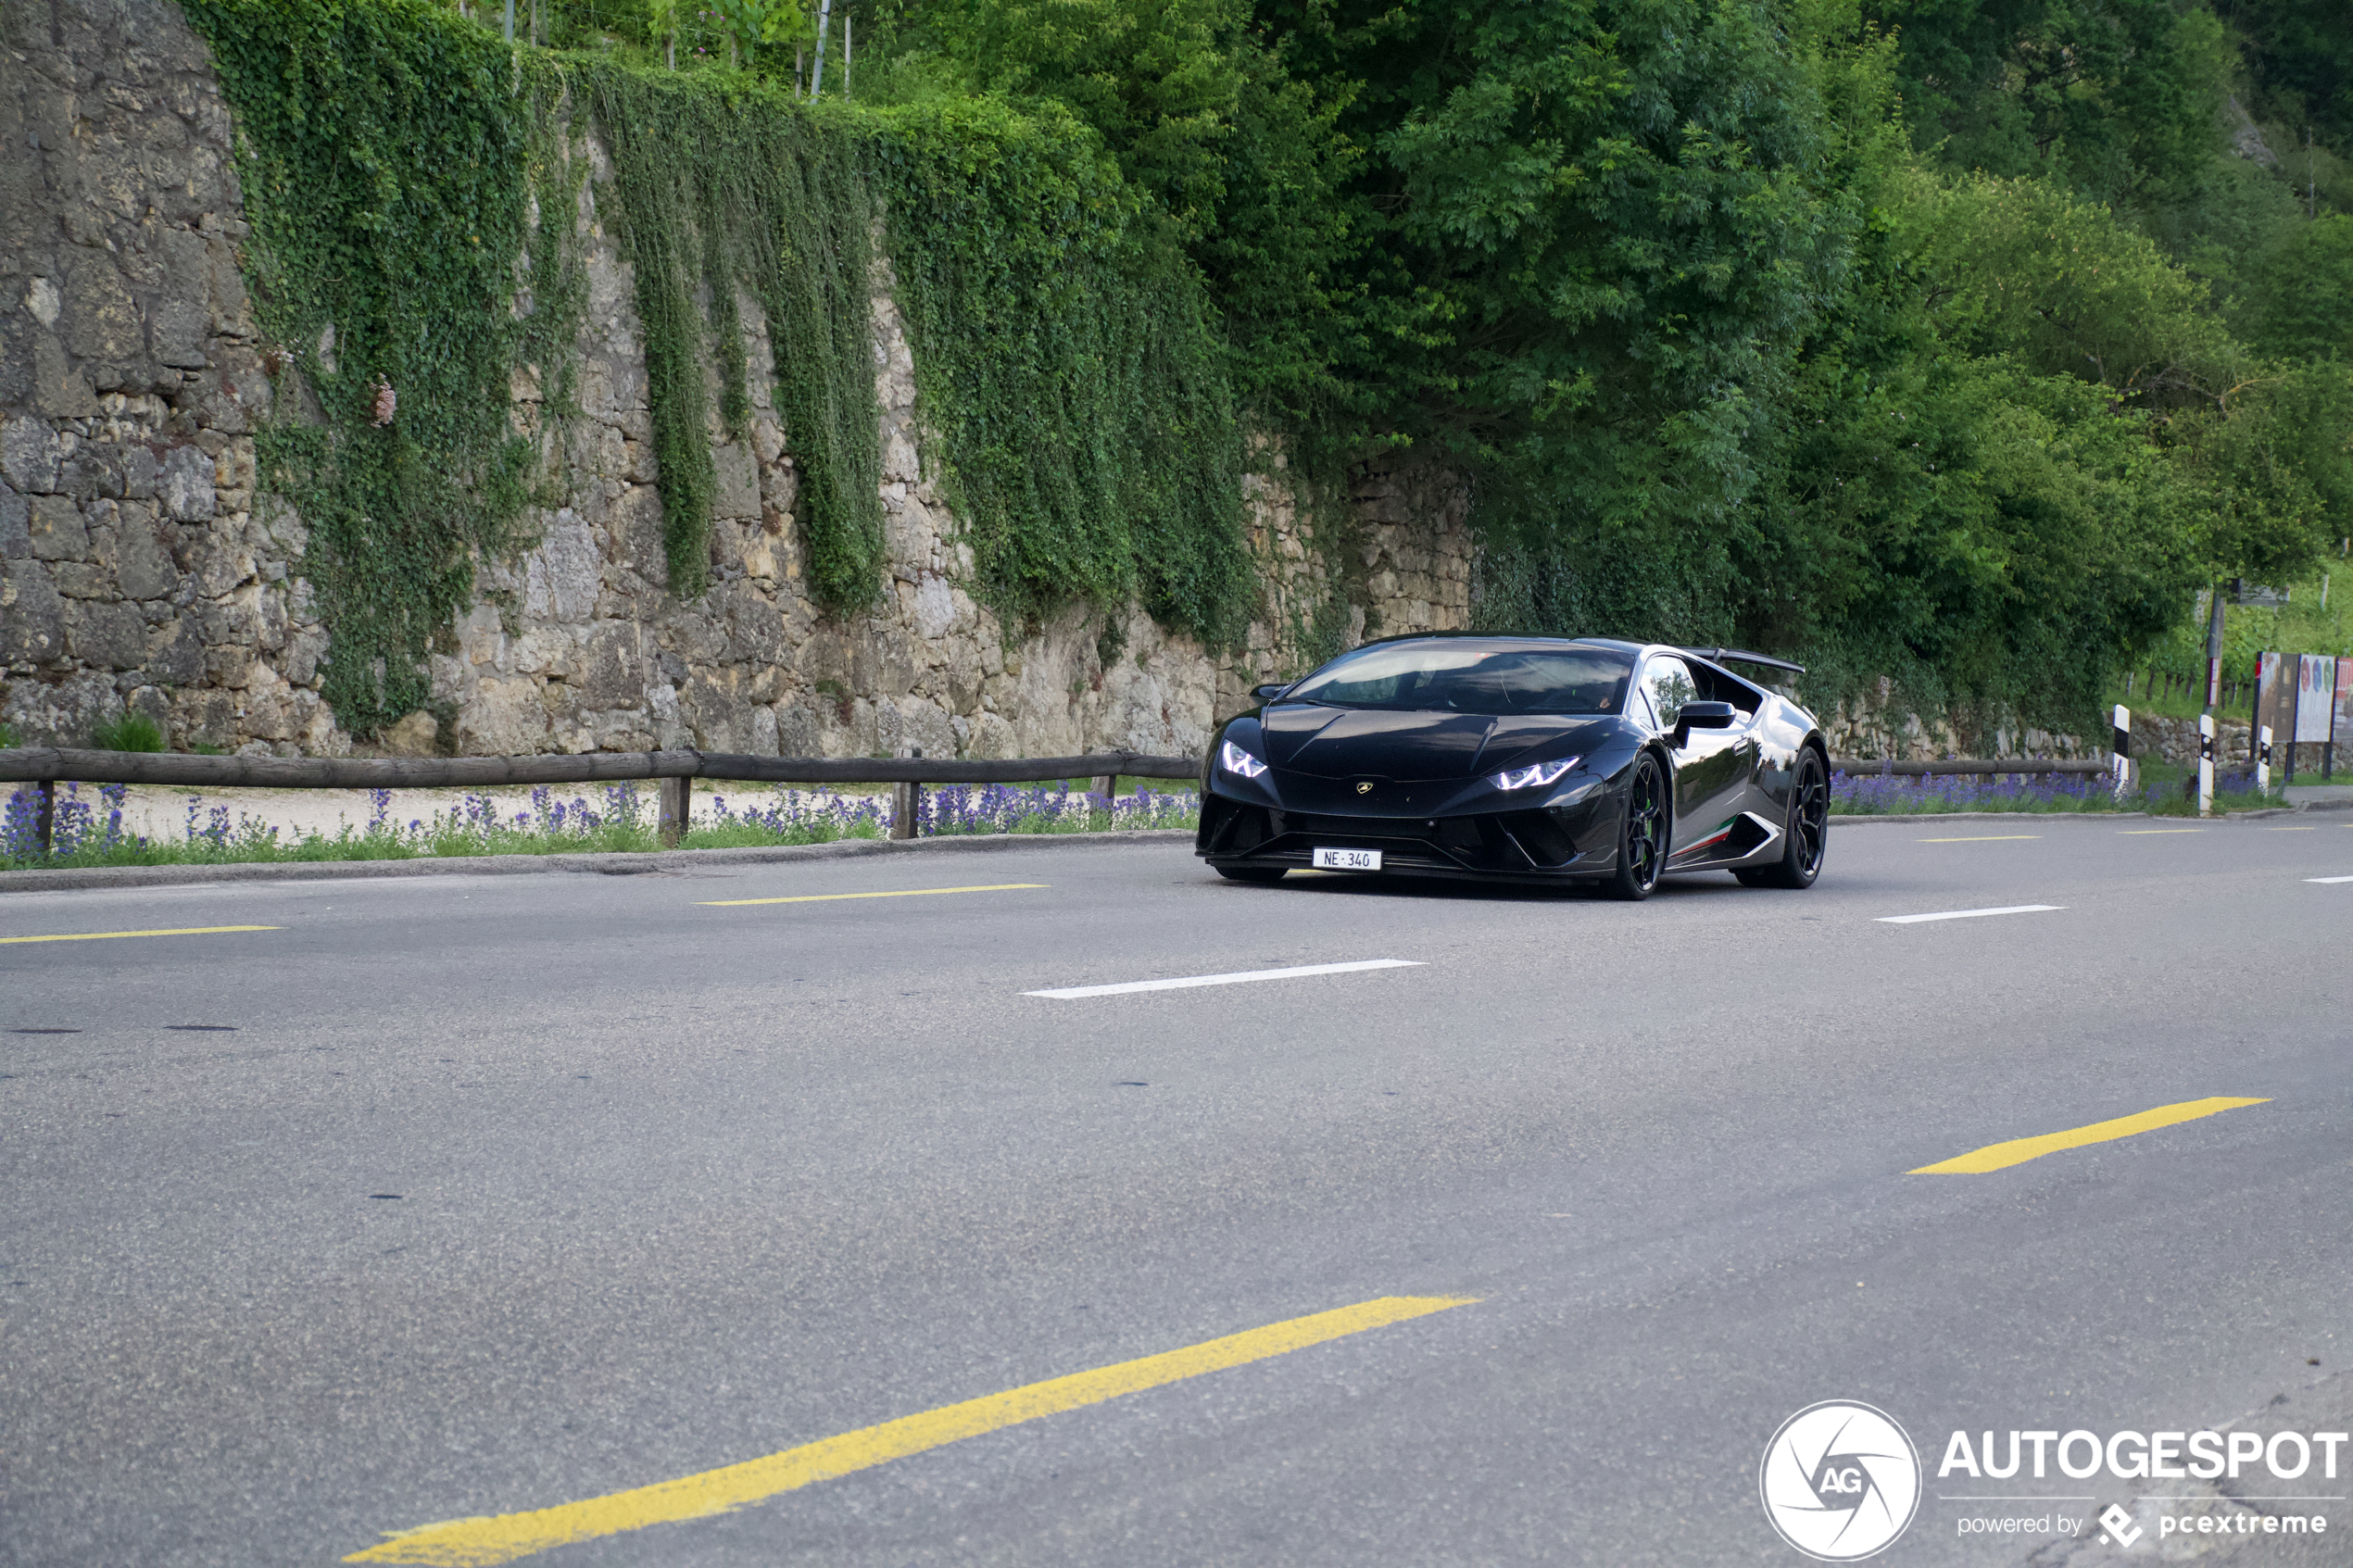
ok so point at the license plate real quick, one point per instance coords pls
(1348, 860)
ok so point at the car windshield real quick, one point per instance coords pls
(1471, 678)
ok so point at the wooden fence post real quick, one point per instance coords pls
(677, 810)
(907, 804)
(45, 813)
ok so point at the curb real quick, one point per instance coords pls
(627, 864)
(1898, 818)
(1856, 819)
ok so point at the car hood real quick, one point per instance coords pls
(1346, 743)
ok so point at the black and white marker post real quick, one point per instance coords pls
(2263, 758)
(2214, 695)
(2122, 749)
(2206, 764)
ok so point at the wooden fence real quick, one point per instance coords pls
(46, 766)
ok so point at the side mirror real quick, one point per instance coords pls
(1704, 716)
(1270, 692)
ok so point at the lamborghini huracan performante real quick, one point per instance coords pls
(1522, 760)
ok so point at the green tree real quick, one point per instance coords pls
(2298, 56)
(2300, 294)
(1238, 157)
(1594, 241)
(2111, 97)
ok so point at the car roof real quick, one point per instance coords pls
(1511, 639)
(1713, 657)
(1501, 640)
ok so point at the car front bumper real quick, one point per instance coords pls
(1533, 844)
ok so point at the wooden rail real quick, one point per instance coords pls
(43, 763)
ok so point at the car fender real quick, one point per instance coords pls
(1784, 731)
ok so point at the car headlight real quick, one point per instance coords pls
(1535, 776)
(1234, 760)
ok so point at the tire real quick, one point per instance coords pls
(1644, 833)
(1807, 834)
(1251, 873)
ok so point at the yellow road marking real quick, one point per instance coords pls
(1988, 838)
(2308, 827)
(902, 893)
(2144, 833)
(2017, 1151)
(109, 936)
(472, 1543)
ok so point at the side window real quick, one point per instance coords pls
(1717, 686)
(1668, 684)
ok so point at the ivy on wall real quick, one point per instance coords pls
(743, 189)
(1066, 360)
(395, 157)
(1071, 387)
(390, 159)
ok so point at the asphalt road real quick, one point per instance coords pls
(456, 1197)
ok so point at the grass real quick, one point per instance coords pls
(133, 732)
(89, 830)
(2187, 703)
(970, 808)
(1125, 784)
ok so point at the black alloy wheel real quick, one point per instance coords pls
(1808, 835)
(1641, 840)
(1251, 873)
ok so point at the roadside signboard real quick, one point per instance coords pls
(2315, 698)
(2274, 699)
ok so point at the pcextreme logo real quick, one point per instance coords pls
(1840, 1481)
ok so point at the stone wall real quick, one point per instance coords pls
(1875, 726)
(2175, 741)
(133, 571)
(139, 570)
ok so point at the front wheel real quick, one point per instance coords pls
(1642, 837)
(1808, 835)
(1251, 873)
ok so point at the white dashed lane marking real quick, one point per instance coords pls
(1237, 978)
(1970, 914)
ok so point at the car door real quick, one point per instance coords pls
(1744, 741)
(1711, 766)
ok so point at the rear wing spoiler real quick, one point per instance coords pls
(1742, 656)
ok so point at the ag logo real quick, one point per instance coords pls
(1840, 1481)
(1365, 788)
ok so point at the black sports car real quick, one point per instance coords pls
(1524, 760)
